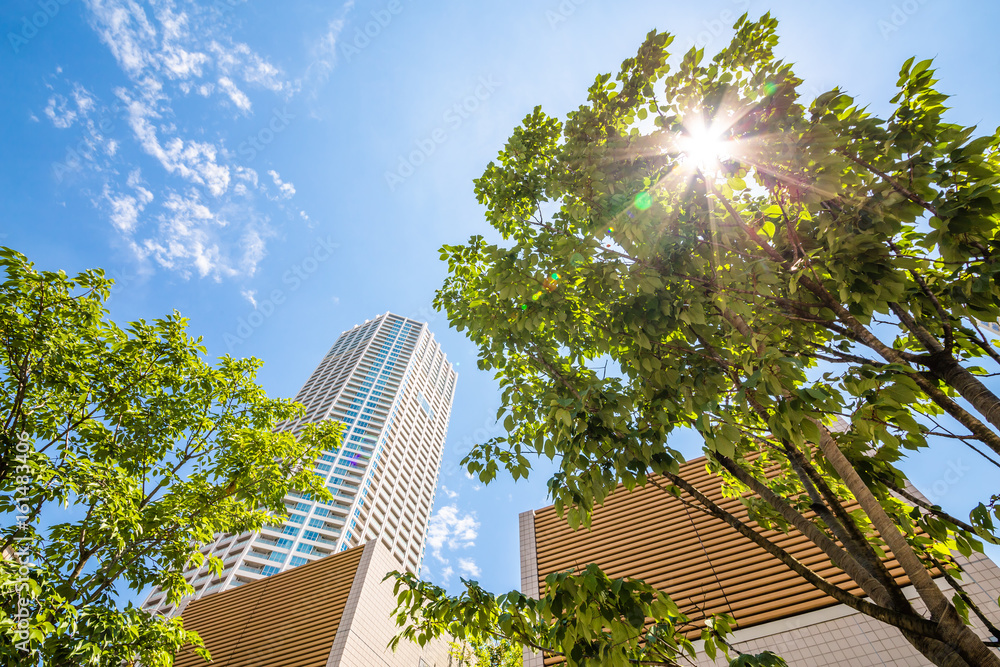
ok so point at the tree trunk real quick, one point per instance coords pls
(969, 387)
(952, 630)
(984, 401)
(883, 592)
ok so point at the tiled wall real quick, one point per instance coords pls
(529, 572)
(367, 626)
(839, 636)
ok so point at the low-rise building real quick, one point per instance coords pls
(709, 568)
(333, 612)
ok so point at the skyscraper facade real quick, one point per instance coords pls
(392, 386)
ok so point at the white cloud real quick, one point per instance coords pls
(448, 492)
(250, 295)
(84, 100)
(239, 60)
(185, 239)
(186, 234)
(287, 189)
(195, 161)
(125, 208)
(134, 178)
(446, 573)
(125, 29)
(324, 51)
(59, 112)
(468, 567)
(452, 530)
(254, 249)
(180, 63)
(238, 97)
(196, 212)
(246, 179)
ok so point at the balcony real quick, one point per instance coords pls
(269, 542)
(321, 540)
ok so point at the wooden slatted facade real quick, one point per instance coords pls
(286, 620)
(701, 562)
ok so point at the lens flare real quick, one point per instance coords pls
(704, 147)
(643, 201)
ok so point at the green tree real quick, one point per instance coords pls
(586, 617)
(757, 268)
(124, 452)
(500, 652)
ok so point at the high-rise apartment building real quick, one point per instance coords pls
(392, 386)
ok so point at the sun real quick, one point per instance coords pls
(704, 147)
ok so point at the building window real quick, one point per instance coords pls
(425, 404)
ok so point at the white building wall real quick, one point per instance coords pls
(367, 625)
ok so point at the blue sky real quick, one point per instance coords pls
(279, 172)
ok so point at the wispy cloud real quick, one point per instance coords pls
(126, 207)
(238, 97)
(250, 295)
(287, 190)
(452, 530)
(468, 567)
(193, 208)
(63, 111)
(194, 161)
(323, 52)
(448, 528)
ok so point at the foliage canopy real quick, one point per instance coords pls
(124, 452)
(798, 281)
